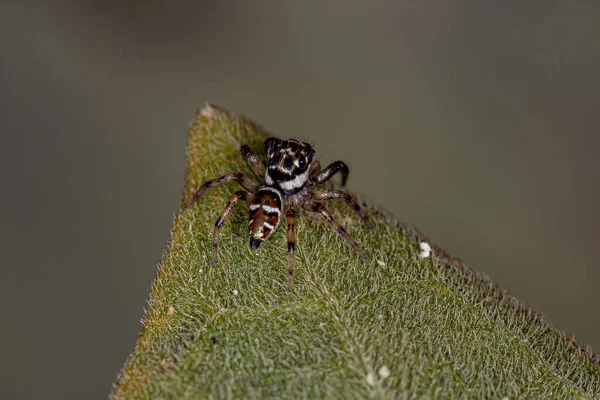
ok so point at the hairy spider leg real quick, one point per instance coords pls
(240, 178)
(315, 170)
(332, 169)
(245, 196)
(320, 208)
(291, 237)
(338, 194)
(257, 166)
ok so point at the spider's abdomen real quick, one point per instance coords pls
(265, 211)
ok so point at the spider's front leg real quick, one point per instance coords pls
(338, 194)
(240, 178)
(332, 169)
(315, 169)
(245, 196)
(257, 166)
(291, 237)
(311, 205)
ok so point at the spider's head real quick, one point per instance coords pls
(289, 164)
(265, 211)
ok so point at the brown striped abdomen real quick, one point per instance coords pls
(265, 211)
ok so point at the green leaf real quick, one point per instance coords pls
(395, 326)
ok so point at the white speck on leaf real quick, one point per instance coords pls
(166, 363)
(235, 291)
(381, 263)
(384, 371)
(371, 378)
(425, 250)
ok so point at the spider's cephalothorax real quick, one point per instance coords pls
(288, 164)
(291, 178)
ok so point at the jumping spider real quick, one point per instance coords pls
(290, 181)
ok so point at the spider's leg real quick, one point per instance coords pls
(320, 208)
(240, 178)
(291, 236)
(245, 196)
(338, 194)
(257, 166)
(315, 169)
(332, 169)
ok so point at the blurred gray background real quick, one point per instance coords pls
(477, 121)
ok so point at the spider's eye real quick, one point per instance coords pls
(302, 163)
(274, 160)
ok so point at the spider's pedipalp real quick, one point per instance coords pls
(338, 194)
(315, 169)
(240, 178)
(320, 208)
(332, 169)
(245, 196)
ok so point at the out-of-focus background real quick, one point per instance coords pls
(477, 121)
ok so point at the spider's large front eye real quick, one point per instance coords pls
(274, 160)
(302, 163)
